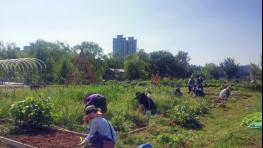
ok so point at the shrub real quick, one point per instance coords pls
(120, 123)
(255, 117)
(182, 113)
(255, 86)
(32, 112)
(171, 140)
(185, 115)
(200, 108)
(165, 82)
(137, 118)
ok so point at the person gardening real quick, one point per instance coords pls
(97, 100)
(199, 83)
(101, 132)
(177, 91)
(190, 84)
(146, 104)
(225, 93)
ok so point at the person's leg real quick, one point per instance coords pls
(189, 89)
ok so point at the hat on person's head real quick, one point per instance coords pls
(89, 109)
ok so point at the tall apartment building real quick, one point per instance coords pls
(124, 47)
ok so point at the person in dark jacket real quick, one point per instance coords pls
(145, 103)
(177, 91)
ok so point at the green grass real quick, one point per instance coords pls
(221, 126)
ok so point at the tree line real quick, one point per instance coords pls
(60, 59)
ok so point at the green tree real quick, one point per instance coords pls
(211, 71)
(134, 68)
(182, 61)
(92, 50)
(163, 63)
(229, 67)
(65, 68)
(8, 50)
(254, 71)
(94, 56)
(145, 57)
(114, 62)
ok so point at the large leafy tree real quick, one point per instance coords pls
(8, 50)
(145, 57)
(229, 67)
(94, 56)
(52, 54)
(211, 71)
(162, 63)
(182, 61)
(254, 71)
(194, 70)
(134, 68)
(114, 62)
(92, 50)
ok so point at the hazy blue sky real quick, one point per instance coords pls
(209, 30)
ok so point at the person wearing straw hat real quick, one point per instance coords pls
(101, 132)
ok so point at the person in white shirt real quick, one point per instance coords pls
(100, 129)
(225, 93)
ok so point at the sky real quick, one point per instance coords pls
(209, 30)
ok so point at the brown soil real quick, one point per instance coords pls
(48, 139)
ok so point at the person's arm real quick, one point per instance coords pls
(93, 128)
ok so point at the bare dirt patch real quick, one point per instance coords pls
(47, 139)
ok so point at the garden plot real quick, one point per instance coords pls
(168, 129)
(55, 138)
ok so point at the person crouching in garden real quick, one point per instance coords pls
(97, 100)
(177, 91)
(225, 93)
(190, 84)
(101, 133)
(146, 104)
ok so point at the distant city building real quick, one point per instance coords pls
(124, 47)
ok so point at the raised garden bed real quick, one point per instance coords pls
(52, 138)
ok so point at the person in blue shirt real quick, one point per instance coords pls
(100, 129)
